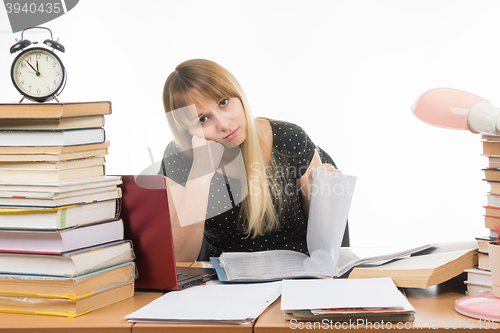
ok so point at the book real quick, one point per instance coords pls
(490, 138)
(344, 300)
(67, 287)
(72, 137)
(478, 280)
(67, 264)
(76, 197)
(54, 165)
(479, 276)
(55, 189)
(491, 174)
(491, 222)
(52, 124)
(53, 110)
(473, 288)
(482, 243)
(53, 153)
(493, 200)
(359, 316)
(60, 241)
(494, 162)
(63, 306)
(494, 187)
(365, 315)
(43, 175)
(424, 269)
(491, 148)
(327, 221)
(492, 211)
(57, 218)
(483, 261)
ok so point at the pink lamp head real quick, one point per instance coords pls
(445, 107)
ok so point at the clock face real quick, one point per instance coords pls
(38, 74)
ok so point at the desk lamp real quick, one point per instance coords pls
(457, 109)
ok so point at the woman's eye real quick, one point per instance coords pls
(203, 119)
(224, 102)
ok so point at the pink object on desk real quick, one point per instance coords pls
(482, 306)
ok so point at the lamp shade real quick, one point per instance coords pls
(445, 107)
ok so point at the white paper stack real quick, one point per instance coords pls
(345, 299)
(210, 304)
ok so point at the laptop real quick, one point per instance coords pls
(146, 218)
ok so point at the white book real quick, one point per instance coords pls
(70, 164)
(52, 138)
(331, 196)
(53, 157)
(69, 264)
(41, 218)
(473, 288)
(64, 198)
(52, 124)
(44, 175)
(60, 186)
(62, 240)
(479, 276)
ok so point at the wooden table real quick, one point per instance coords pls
(107, 319)
(434, 310)
(434, 306)
(189, 328)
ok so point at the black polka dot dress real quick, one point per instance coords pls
(223, 230)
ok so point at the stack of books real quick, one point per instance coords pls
(62, 250)
(479, 279)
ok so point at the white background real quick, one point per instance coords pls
(346, 71)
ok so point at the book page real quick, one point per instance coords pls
(450, 246)
(269, 265)
(427, 261)
(351, 257)
(331, 195)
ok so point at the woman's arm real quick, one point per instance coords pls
(187, 238)
(306, 180)
(188, 204)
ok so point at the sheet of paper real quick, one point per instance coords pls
(427, 261)
(331, 195)
(235, 303)
(341, 293)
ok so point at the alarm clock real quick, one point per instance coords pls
(37, 72)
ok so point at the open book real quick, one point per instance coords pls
(428, 268)
(331, 195)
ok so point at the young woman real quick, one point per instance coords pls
(241, 183)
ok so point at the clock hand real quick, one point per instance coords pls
(37, 72)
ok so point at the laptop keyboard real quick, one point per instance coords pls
(186, 276)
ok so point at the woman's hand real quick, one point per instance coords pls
(325, 166)
(207, 156)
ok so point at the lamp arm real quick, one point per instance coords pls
(484, 118)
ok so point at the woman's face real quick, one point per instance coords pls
(221, 121)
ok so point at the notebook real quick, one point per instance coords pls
(146, 218)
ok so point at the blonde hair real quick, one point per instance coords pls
(214, 82)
